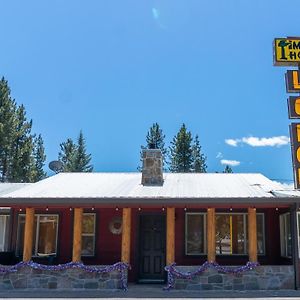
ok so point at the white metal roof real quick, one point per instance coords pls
(6, 188)
(128, 185)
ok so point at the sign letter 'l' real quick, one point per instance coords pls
(292, 81)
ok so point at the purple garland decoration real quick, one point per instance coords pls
(174, 273)
(121, 267)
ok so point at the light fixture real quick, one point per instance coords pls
(140, 208)
(93, 208)
(276, 208)
(230, 208)
(71, 209)
(185, 209)
(47, 208)
(117, 208)
(163, 209)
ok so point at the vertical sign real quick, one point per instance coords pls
(287, 53)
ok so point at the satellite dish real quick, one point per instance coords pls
(56, 166)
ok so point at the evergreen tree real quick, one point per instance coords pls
(228, 169)
(7, 126)
(67, 155)
(39, 159)
(82, 159)
(181, 152)
(199, 159)
(155, 140)
(74, 156)
(17, 159)
(22, 165)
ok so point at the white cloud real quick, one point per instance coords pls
(219, 155)
(275, 141)
(232, 163)
(232, 142)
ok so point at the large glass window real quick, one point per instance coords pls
(88, 234)
(285, 235)
(44, 235)
(4, 232)
(231, 233)
(195, 233)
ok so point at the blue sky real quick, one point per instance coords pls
(112, 68)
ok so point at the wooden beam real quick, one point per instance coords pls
(126, 235)
(170, 247)
(28, 234)
(211, 235)
(77, 234)
(252, 235)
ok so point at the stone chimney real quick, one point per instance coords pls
(152, 172)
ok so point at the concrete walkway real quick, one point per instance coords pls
(151, 291)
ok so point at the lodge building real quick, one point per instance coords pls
(151, 220)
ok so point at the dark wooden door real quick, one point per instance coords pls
(152, 248)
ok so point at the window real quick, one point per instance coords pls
(195, 233)
(285, 235)
(4, 232)
(88, 234)
(44, 235)
(231, 233)
(298, 230)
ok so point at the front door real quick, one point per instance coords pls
(152, 248)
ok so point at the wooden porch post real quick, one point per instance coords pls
(126, 236)
(170, 247)
(77, 239)
(28, 234)
(252, 234)
(211, 235)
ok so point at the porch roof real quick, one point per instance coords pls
(104, 187)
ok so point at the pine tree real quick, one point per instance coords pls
(17, 160)
(39, 159)
(74, 156)
(67, 155)
(181, 152)
(199, 159)
(228, 169)
(22, 165)
(155, 140)
(82, 159)
(7, 126)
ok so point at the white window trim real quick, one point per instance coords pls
(204, 234)
(35, 253)
(91, 234)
